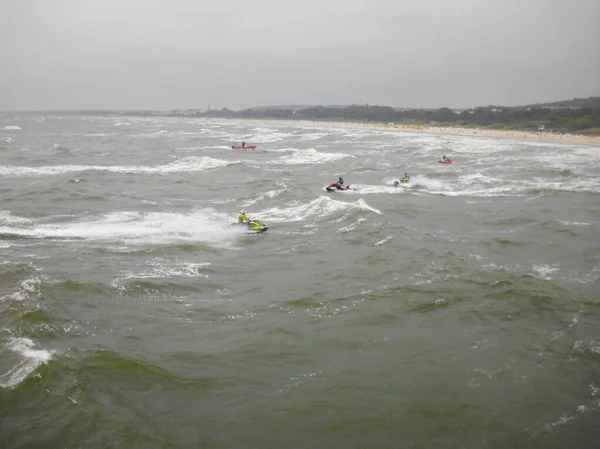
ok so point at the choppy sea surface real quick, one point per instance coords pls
(459, 310)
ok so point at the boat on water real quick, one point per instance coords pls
(246, 147)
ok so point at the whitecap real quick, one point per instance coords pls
(269, 138)
(385, 240)
(161, 268)
(32, 359)
(543, 271)
(368, 189)
(7, 219)
(318, 208)
(352, 226)
(314, 136)
(574, 223)
(27, 288)
(310, 156)
(266, 195)
(185, 165)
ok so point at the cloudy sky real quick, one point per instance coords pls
(166, 54)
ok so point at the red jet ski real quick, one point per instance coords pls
(247, 147)
(445, 161)
(336, 186)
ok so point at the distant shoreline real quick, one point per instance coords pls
(472, 132)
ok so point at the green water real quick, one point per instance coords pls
(459, 310)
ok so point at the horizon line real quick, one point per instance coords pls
(284, 107)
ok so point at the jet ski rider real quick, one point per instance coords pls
(243, 218)
(406, 177)
(341, 181)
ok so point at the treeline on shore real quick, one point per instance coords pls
(580, 116)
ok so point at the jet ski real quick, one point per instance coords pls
(336, 186)
(254, 226)
(398, 181)
(445, 161)
(247, 147)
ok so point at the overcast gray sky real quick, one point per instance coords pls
(166, 54)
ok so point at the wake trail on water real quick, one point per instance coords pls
(319, 208)
(206, 226)
(417, 182)
(308, 156)
(184, 165)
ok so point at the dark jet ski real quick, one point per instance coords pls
(334, 186)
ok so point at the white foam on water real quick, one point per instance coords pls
(161, 268)
(193, 163)
(390, 181)
(314, 136)
(11, 128)
(318, 208)
(270, 137)
(475, 184)
(266, 195)
(385, 240)
(27, 288)
(368, 189)
(282, 150)
(184, 165)
(151, 135)
(543, 271)
(356, 133)
(587, 153)
(425, 182)
(363, 206)
(479, 178)
(206, 226)
(574, 321)
(325, 129)
(574, 223)
(31, 359)
(7, 219)
(592, 276)
(591, 346)
(100, 135)
(217, 134)
(310, 156)
(264, 130)
(591, 185)
(484, 193)
(352, 226)
(8, 140)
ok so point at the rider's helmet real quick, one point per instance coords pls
(243, 212)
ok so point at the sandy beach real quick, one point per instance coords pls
(517, 135)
